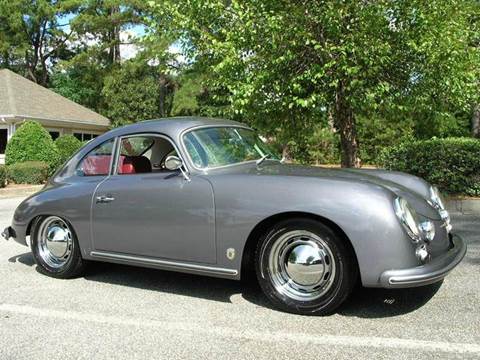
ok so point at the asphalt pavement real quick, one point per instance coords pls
(125, 312)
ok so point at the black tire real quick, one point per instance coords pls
(340, 284)
(74, 265)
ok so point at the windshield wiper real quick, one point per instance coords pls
(262, 159)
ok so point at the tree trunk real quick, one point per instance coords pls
(345, 124)
(286, 153)
(162, 94)
(476, 121)
(114, 52)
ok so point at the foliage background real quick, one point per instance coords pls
(28, 172)
(31, 142)
(325, 81)
(66, 146)
(451, 163)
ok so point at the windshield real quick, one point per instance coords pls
(220, 146)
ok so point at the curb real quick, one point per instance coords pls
(20, 191)
(464, 206)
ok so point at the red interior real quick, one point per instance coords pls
(125, 165)
(96, 165)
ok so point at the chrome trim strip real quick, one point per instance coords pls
(164, 263)
(412, 281)
(189, 158)
(428, 273)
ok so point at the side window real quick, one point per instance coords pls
(134, 155)
(141, 154)
(97, 161)
(136, 145)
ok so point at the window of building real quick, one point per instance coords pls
(84, 136)
(3, 140)
(54, 134)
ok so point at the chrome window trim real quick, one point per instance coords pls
(114, 146)
(187, 154)
(121, 137)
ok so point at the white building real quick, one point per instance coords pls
(22, 99)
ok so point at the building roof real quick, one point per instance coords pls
(22, 98)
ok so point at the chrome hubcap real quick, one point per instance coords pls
(55, 241)
(301, 265)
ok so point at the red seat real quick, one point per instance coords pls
(125, 165)
(96, 165)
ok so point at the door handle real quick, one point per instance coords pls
(104, 199)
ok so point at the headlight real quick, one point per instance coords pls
(408, 217)
(438, 203)
(436, 198)
(428, 230)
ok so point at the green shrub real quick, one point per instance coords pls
(453, 164)
(67, 145)
(28, 172)
(3, 176)
(31, 142)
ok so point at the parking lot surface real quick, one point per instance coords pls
(118, 311)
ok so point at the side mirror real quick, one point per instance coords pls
(173, 163)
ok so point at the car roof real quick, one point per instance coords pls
(171, 127)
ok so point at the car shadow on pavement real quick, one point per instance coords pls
(381, 303)
(163, 281)
(25, 258)
(367, 302)
(363, 302)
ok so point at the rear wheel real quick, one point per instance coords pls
(55, 248)
(303, 267)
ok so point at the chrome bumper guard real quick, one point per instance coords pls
(8, 232)
(429, 273)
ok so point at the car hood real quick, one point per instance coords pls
(413, 189)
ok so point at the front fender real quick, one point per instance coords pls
(70, 201)
(363, 210)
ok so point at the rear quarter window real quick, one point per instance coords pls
(98, 161)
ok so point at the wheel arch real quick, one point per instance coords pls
(247, 270)
(38, 216)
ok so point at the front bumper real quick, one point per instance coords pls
(429, 273)
(8, 232)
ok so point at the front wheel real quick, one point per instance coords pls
(303, 267)
(55, 248)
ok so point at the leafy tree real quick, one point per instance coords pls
(32, 35)
(475, 42)
(31, 142)
(81, 83)
(67, 145)
(99, 24)
(185, 98)
(288, 65)
(133, 93)
(197, 94)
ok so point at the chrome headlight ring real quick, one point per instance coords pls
(408, 218)
(436, 198)
(437, 201)
(428, 230)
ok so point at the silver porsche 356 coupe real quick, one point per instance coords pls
(209, 197)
